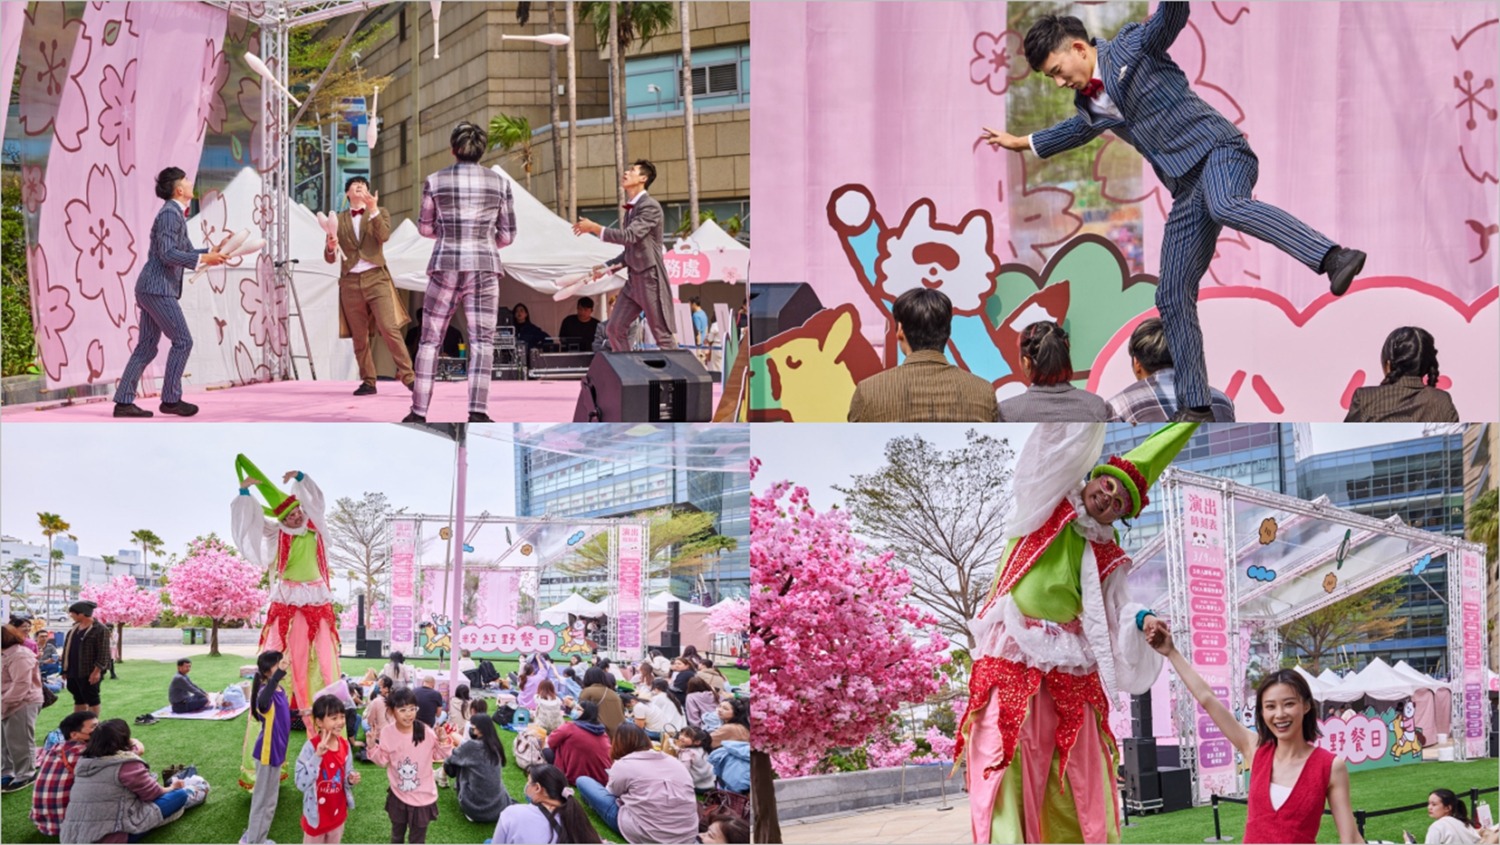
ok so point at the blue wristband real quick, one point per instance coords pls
(1140, 618)
(244, 492)
(299, 476)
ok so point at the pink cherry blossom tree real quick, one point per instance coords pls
(835, 645)
(121, 602)
(731, 616)
(215, 582)
(375, 618)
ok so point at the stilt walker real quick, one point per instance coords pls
(1057, 637)
(286, 538)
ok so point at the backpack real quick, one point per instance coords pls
(528, 748)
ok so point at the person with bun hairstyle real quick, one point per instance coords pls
(1409, 392)
(157, 291)
(1450, 820)
(552, 812)
(1046, 361)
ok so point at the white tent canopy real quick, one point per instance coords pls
(729, 260)
(660, 601)
(1378, 680)
(1422, 681)
(1319, 689)
(574, 605)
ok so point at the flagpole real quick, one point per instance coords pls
(455, 590)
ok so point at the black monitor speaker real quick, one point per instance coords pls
(660, 386)
(780, 307)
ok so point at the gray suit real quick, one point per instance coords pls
(156, 293)
(646, 288)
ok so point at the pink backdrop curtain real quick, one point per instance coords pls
(12, 19)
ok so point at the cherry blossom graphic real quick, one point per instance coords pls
(999, 60)
(265, 213)
(1231, 13)
(213, 222)
(1485, 233)
(53, 46)
(211, 109)
(245, 366)
(105, 245)
(221, 325)
(266, 303)
(95, 359)
(1046, 211)
(33, 189)
(117, 121)
(1475, 110)
(240, 15)
(56, 315)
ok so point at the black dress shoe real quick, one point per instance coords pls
(1190, 415)
(1342, 265)
(414, 417)
(131, 410)
(479, 418)
(181, 409)
(365, 390)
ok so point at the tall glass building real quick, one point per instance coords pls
(590, 471)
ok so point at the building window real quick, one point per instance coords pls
(712, 80)
(403, 124)
(402, 26)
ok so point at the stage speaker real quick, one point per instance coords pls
(1139, 754)
(670, 646)
(1176, 789)
(1168, 756)
(775, 308)
(661, 386)
(1143, 786)
(1140, 715)
(673, 617)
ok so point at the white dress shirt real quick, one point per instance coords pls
(361, 265)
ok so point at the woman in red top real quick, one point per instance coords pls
(1291, 778)
(581, 747)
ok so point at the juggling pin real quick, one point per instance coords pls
(374, 125)
(246, 244)
(330, 224)
(260, 67)
(437, 9)
(229, 243)
(551, 39)
(571, 288)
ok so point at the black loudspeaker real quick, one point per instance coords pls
(1168, 756)
(775, 308)
(1176, 789)
(661, 386)
(363, 646)
(673, 617)
(1143, 787)
(1139, 754)
(1140, 715)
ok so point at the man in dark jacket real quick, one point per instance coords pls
(85, 656)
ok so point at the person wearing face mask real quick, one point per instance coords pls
(286, 538)
(475, 768)
(1057, 637)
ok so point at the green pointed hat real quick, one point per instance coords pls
(1141, 466)
(277, 502)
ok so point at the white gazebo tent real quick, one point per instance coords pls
(573, 605)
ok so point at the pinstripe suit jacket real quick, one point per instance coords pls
(171, 253)
(467, 207)
(925, 388)
(1408, 399)
(1162, 117)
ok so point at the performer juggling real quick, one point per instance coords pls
(1130, 86)
(300, 622)
(1057, 637)
(369, 305)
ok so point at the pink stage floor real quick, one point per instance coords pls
(328, 401)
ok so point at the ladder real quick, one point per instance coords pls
(284, 277)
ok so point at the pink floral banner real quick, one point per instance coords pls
(97, 201)
(12, 19)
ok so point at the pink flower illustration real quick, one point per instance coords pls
(54, 53)
(117, 121)
(212, 219)
(211, 109)
(998, 61)
(57, 315)
(265, 302)
(105, 245)
(33, 189)
(95, 359)
(245, 366)
(265, 213)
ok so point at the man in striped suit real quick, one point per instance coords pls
(157, 292)
(468, 209)
(1130, 86)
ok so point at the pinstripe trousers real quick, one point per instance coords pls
(160, 315)
(1218, 196)
(480, 292)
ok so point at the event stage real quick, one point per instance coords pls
(328, 401)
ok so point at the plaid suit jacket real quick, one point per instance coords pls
(1162, 118)
(467, 208)
(93, 650)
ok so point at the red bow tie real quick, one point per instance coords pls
(629, 205)
(356, 212)
(1092, 89)
(185, 214)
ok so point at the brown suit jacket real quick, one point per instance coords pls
(369, 246)
(925, 388)
(1406, 400)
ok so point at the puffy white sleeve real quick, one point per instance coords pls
(251, 530)
(1137, 664)
(1052, 463)
(310, 496)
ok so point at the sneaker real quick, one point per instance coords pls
(131, 410)
(1342, 265)
(181, 409)
(365, 390)
(476, 417)
(414, 417)
(17, 784)
(1190, 415)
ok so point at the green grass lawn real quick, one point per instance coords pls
(214, 747)
(1377, 790)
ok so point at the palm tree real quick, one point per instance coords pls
(572, 111)
(559, 202)
(513, 135)
(1484, 522)
(687, 111)
(618, 26)
(52, 525)
(149, 543)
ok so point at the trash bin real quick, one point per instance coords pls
(189, 636)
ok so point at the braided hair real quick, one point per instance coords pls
(569, 823)
(1410, 351)
(1046, 344)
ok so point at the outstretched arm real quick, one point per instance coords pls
(647, 219)
(1243, 738)
(1162, 28)
(1340, 804)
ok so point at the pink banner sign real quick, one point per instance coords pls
(499, 597)
(1360, 740)
(1208, 632)
(507, 639)
(1471, 573)
(629, 620)
(403, 584)
(687, 267)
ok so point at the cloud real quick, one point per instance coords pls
(1260, 573)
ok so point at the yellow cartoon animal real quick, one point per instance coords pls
(1404, 728)
(808, 374)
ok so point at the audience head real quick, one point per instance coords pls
(110, 737)
(924, 319)
(78, 726)
(403, 705)
(588, 711)
(10, 635)
(481, 706)
(521, 313)
(726, 828)
(482, 728)
(397, 659)
(468, 142)
(328, 713)
(1148, 348)
(184, 665)
(1410, 351)
(698, 684)
(547, 787)
(1045, 355)
(1442, 802)
(629, 738)
(462, 693)
(596, 676)
(694, 736)
(546, 690)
